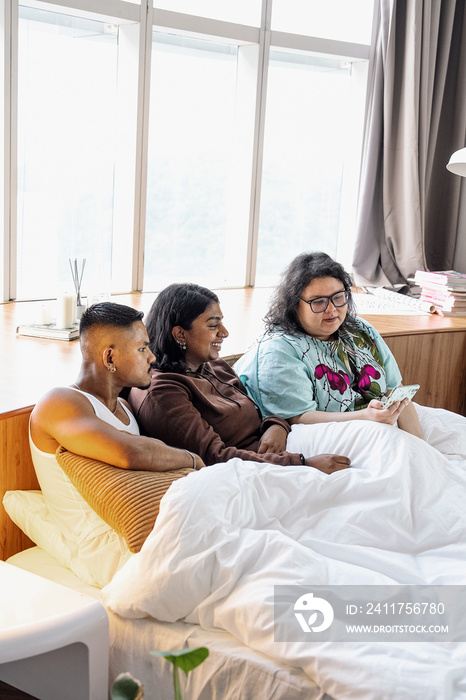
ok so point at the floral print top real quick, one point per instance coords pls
(287, 375)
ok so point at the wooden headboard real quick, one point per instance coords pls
(16, 472)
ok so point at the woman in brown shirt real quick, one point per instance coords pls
(196, 401)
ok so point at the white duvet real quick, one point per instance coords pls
(227, 534)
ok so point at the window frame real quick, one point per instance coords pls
(115, 11)
(254, 45)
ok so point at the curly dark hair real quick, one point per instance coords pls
(106, 313)
(306, 267)
(176, 305)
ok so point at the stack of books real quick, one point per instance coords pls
(48, 330)
(446, 290)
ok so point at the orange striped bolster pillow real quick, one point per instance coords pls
(128, 500)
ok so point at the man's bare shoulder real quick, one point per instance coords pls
(60, 407)
(59, 398)
(64, 416)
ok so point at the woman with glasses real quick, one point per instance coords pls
(318, 361)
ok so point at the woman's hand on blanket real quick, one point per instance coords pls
(328, 463)
(273, 440)
(376, 412)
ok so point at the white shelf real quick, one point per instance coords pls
(53, 640)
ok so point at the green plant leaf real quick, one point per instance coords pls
(186, 659)
(125, 687)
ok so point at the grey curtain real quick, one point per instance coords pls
(416, 117)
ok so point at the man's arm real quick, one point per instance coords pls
(64, 417)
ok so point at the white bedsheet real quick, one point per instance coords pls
(232, 670)
(227, 534)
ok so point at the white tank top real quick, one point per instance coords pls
(102, 412)
(78, 523)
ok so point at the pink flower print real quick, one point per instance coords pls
(337, 380)
(320, 370)
(365, 378)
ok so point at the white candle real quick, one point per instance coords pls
(66, 308)
(45, 314)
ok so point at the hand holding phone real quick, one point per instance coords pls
(399, 394)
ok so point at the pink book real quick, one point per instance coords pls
(447, 278)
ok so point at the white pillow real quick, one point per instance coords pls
(96, 549)
(94, 558)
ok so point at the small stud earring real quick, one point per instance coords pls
(112, 368)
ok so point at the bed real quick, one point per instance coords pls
(232, 670)
(227, 535)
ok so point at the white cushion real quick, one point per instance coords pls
(95, 557)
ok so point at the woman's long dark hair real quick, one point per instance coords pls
(305, 268)
(176, 305)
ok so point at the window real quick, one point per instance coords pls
(168, 140)
(339, 20)
(307, 132)
(66, 137)
(69, 77)
(239, 11)
(192, 112)
(5, 181)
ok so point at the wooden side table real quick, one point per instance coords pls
(53, 640)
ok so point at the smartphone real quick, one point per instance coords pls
(399, 394)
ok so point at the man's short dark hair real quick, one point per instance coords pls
(106, 313)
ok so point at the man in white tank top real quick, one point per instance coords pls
(88, 418)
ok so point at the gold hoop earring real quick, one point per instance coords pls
(112, 368)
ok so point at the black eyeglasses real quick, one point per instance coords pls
(320, 304)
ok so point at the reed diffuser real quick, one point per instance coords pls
(77, 276)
